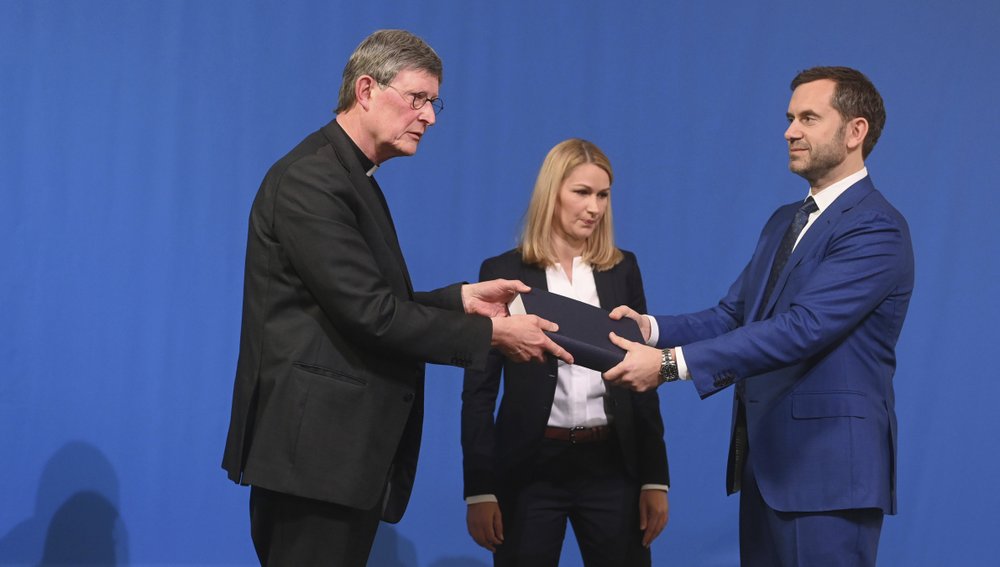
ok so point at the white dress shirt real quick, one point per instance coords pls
(579, 397)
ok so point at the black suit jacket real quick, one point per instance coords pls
(496, 451)
(328, 399)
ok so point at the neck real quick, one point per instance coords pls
(851, 165)
(351, 124)
(567, 249)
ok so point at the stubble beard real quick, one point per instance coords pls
(821, 159)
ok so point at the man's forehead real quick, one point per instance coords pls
(417, 80)
(815, 94)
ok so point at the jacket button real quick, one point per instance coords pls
(408, 397)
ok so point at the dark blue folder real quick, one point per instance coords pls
(583, 328)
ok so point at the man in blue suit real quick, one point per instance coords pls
(807, 334)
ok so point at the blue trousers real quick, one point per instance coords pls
(770, 538)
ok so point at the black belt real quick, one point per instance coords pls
(578, 434)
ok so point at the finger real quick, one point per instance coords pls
(498, 527)
(613, 375)
(557, 351)
(517, 355)
(623, 343)
(655, 529)
(477, 536)
(517, 285)
(545, 324)
(619, 312)
(484, 539)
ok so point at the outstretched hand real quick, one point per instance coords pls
(626, 311)
(640, 371)
(521, 339)
(490, 298)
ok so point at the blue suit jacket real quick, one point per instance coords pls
(817, 367)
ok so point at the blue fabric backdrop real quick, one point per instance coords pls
(133, 136)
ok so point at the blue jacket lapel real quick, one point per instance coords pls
(815, 235)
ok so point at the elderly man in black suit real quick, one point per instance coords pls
(328, 399)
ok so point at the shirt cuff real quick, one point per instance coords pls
(480, 498)
(654, 330)
(662, 487)
(682, 367)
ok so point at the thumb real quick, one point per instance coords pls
(618, 312)
(618, 341)
(517, 285)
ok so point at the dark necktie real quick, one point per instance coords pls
(785, 249)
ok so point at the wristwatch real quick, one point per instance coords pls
(668, 366)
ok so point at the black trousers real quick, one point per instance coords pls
(585, 484)
(290, 530)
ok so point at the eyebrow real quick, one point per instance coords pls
(807, 112)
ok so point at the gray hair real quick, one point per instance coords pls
(382, 55)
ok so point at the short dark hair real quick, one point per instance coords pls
(384, 54)
(854, 96)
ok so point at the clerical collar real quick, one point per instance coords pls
(368, 165)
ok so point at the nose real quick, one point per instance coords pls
(427, 114)
(792, 132)
(593, 205)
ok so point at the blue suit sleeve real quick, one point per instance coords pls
(825, 298)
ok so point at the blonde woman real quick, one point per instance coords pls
(564, 446)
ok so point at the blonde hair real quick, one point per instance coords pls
(536, 238)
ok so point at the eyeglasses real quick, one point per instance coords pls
(418, 100)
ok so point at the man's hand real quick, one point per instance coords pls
(640, 371)
(626, 311)
(654, 513)
(520, 338)
(490, 299)
(485, 524)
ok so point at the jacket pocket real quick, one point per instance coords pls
(815, 405)
(330, 373)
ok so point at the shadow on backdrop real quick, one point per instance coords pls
(392, 550)
(76, 519)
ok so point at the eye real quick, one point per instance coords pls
(604, 194)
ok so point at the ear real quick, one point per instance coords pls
(857, 129)
(363, 88)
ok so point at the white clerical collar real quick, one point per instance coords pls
(371, 171)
